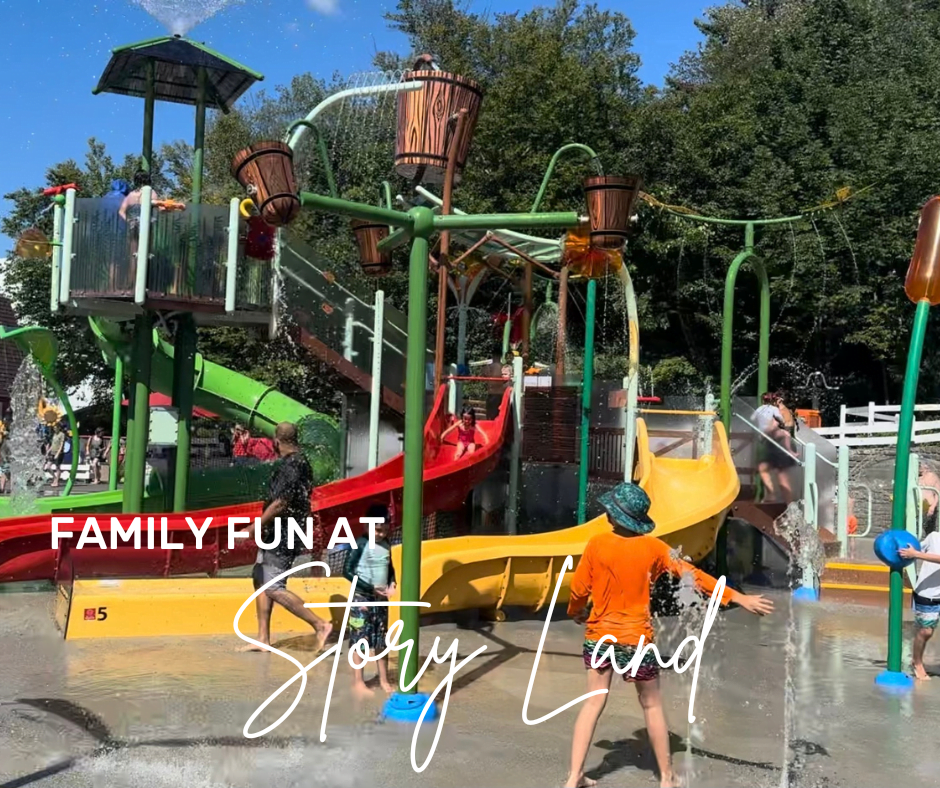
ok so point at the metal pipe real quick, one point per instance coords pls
(143, 246)
(586, 392)
(727, 331)
(135, 460)
(356, 210)
(68, 244)
(412, 495)
(114, 467)
(842, 501)
(324, 154)
(231, 263)
(150, 97)
(515, 462)
(493, 221)
(375, 400)
(297, 130)
(595, 161)
(184, 378)
(901, 465)
(58, 215)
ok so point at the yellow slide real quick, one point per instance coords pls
(690, 499)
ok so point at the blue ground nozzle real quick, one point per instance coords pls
(806, 594)
(894, 681)
(407, 707)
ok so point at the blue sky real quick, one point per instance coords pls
(53, 52)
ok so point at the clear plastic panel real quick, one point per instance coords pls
(338, 320)
(105, 251)
(188, 252)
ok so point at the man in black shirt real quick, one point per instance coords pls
(288, 497)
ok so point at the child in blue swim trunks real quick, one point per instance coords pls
(926, 595)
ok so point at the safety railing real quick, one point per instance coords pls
(189, 256)
(338, 322)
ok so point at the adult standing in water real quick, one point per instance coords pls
(615, 573)
(288, 497)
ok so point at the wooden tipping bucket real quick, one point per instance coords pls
(368, 234)
(266, 170)
(426, 120)
(610, 201)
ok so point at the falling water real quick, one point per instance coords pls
(181, 16)
(26, 462)
(807, 560)
(689, 608)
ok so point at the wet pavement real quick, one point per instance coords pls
(149, 713)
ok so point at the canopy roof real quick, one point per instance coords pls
(176, 64)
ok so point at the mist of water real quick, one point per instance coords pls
(181, 16)
(26, 462)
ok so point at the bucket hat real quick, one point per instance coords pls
(627, 506)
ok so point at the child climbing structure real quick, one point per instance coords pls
(193, 267)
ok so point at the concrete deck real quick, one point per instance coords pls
(155, 714)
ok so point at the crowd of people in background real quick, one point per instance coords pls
(55, 443)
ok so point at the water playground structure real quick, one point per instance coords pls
(144, 291)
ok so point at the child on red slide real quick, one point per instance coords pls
(466, 433)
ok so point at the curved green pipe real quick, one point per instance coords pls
(694, 217)
(595, 161)
(41, 344)
(321, 147)
(727, 329)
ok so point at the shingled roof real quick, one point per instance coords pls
(176, 64)
(10, 355)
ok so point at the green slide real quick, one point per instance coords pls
(228, 394)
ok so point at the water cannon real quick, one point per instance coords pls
(53, 191)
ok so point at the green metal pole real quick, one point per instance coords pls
(146, 155)
(727, 325)
(184, 376)
(114, 471)
(135, 459)
(184, 355)
(413, 494)
(595, 161)
(901, 463)
(763, 352)
(586, 391)
(727, 336)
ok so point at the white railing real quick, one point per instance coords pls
(880, 426)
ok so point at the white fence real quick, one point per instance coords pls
(880, 426)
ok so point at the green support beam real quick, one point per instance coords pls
(413, 494)
(901, 462)
(138, 427)
(113, 468)
(727, 329)
(587, 387)
(184, 383)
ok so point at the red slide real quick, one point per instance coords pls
(25, 542)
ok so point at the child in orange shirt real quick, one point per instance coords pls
(616, 572)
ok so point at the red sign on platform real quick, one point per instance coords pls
(90, 614)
